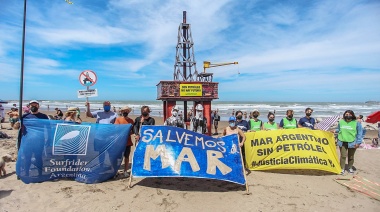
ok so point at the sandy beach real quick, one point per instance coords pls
(270, 191)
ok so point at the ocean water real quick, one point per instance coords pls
(321, 109)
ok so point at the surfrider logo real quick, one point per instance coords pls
(70, 139)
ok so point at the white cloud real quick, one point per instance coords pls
(135, 40)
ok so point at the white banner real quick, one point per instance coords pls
(87, 93)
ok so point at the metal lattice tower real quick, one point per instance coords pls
(185, 68)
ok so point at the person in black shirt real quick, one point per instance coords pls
(59, 114)
(39, 146)
(144, 119)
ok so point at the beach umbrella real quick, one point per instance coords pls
(373, 118)
(2, 101)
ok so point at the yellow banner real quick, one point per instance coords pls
(190, 89)
(291, 149)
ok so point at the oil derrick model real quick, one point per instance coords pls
(187, 84)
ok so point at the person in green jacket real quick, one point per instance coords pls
(349, 139)
(255, 124)
(271, 124)
(288, 122)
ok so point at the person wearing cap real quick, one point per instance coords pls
(232, 128)
(175, 120)
(288, 122)
(34, 106)
(105, 116)
(124, 119)
(307, 121)
(255, 124)
(71, 115)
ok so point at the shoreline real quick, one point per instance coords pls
(287, 190)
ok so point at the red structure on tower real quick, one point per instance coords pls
(188, 85)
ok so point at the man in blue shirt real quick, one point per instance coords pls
(240, 122)
(307, 121)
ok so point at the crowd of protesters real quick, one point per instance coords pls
(349, 131)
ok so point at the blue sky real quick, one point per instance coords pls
(287, 50)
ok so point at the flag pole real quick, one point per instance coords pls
(22, 74)
(242, 163)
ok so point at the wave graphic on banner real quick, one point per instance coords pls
(70, 139)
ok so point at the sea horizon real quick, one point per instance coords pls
(225, 108)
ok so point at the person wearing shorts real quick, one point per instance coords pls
(124, 119)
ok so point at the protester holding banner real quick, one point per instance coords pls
(144, 119)
(233, 129)
(175, 120)
(270, 125)
(126, 120)
(255, 124)
(349, 139)
(71, 115)
(105, 116)
(34, 106)
(240, 122)
(39, 143)
(307, 121)
(288, 122)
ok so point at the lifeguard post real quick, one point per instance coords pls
(188, 84)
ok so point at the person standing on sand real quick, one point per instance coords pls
(270, 125)
(349, 139)
(216, 121)
(255, 124)
(34, 105)
(198, 123)
(2, 114)
(13, 116)
(240, 122)
(233, 129)
(307, 121)
(105, 116)
(144, 119)
(288, 122)
(78, 114)
(175, 120)
(124, 119)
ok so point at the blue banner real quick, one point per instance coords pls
(87, 152)
(175, 152)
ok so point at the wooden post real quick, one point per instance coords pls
(242, 163)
